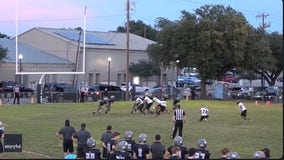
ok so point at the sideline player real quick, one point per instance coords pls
(243, 110)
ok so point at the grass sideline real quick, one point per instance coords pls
(38, 123)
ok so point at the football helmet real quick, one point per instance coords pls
(91, 142)
(123, 144)
(238, 101)
(142, 137)
(233, 155)
(201, 143)
(259, 155)
(178, 141)
(128, 134)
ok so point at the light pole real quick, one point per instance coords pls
(177, 61)
(108, 76)
(21, 68)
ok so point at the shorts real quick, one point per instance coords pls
(244, 113)
(68, 146)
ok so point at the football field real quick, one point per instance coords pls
(38, 124)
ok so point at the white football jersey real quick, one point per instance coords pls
(242, 106)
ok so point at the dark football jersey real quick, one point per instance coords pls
(123, 155)
(92, 153)
(130, 146)
(109, 145)
(141, 150)
(202, 154)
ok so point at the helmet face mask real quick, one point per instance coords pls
(178, 141)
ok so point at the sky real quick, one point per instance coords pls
(107, 15)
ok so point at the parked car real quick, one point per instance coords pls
(7, 86)
(60, 92)
(230, 78)
(167, 94)
(98, 91)
(138, 87)
(191, 80)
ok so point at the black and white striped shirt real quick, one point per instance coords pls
(179, 114)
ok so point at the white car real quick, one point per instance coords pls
(138, 87)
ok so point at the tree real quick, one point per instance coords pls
(272, 72)
(4, 36)
(140, 28)
(3, 54)
(144, 69)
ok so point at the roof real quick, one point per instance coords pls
(102, 40)
(30, 54)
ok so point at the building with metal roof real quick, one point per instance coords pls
(64, 47)
(33, 60)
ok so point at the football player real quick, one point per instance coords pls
(243, 111)
(204, 113)
(122, 153)
(91, 152)
(161, 106)
(138, 105)
(175, 103)
(148, 103)
(178, 143)
(201, 152)
(141, 149)
(130, 142)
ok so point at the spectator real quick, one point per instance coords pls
(111, 145)
(80, 137)
(82, 92)
(65, 134)
(105, 137)
(91, 152)
(178, 120)
(157, 148)
(141, 149)
(16, 91)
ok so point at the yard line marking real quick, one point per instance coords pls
(38, 154)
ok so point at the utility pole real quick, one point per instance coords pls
(127, 51)
(263, 26)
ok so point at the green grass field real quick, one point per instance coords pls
(38, 124)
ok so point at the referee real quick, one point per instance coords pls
(179, 120)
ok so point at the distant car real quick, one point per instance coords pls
(60, 92)
(98, 91)
(230, 78)
(138, 87)
(156, 92)
(192, 80)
